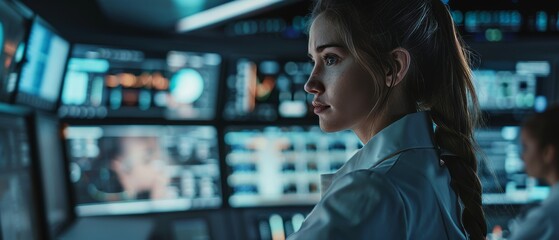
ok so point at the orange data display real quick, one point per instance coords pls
(108, 82)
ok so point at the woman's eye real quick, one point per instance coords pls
(330, 60)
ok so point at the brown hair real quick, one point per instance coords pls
(544, 127)
(439, 78)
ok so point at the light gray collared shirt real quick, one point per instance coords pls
(393, 188)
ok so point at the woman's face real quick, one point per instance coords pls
(342, 89)
(532, 155)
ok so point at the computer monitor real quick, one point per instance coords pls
(53, 172)
(267, 90)
(19, 214)
(501, 169)
(193, 85)
(133, 169)
(42, 73)
(504, 21)
(13, 28)
(508, 86)
(112, 82)
(281, 165)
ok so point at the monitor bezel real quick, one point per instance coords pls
(36, 116)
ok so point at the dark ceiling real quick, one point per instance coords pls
(84, 21)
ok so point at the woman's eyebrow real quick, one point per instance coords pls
(320, 48)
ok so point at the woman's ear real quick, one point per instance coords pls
(402, 58)
(550, 155)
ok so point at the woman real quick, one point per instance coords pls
(388, 70)
(540, 143)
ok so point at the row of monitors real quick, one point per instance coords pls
(132, 169)
(102, 82)
(150, 168)
(185, 86)
(43, 70)
(106, 82)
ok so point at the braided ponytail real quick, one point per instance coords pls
(456, 120)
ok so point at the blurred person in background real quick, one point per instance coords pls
(540, 143)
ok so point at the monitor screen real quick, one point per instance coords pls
(42, 74)
(504, 21)
(108, 82)
(501, 169)
(143, 168)
(276, 165)
(267, 90)
(512, 86)
(18, 210)
(55, 189)
(193, 85)
(13, 27)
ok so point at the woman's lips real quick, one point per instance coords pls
(319, 107)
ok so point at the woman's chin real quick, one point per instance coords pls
(328, 127)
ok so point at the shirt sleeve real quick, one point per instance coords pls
(535, 225)
(359, 205)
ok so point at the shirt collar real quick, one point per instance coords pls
(553, 194)
(414, 130)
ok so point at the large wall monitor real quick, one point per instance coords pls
(505, 87)
(143, 168)
(111, 82)
(281, 165)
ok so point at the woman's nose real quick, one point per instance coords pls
(314, 85)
